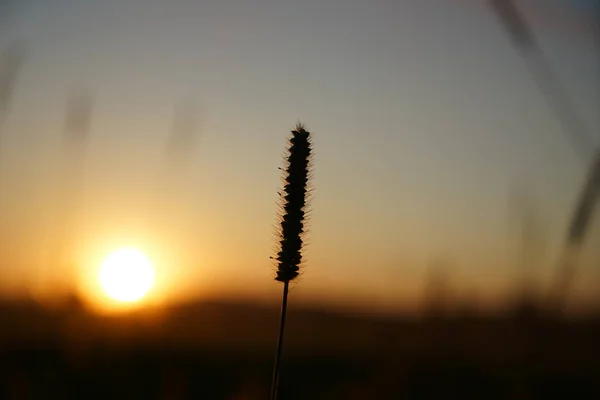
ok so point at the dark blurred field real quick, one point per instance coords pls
(225, 351)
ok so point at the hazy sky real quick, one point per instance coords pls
(424, 117)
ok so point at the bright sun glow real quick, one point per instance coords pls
(126, 275)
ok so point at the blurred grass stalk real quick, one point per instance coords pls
(78, 116)
(11, 62)
(542, 74)
(170, 190)
(294, 199)
(573, 126)
(525, 212)
(177, 155)
(579, 227)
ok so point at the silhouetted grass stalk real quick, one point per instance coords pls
(294, 199)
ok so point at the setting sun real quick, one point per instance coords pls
(126, 275)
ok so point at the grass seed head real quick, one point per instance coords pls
(293, 200)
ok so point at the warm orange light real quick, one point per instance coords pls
(126, 275)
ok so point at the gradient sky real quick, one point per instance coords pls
(424, 117)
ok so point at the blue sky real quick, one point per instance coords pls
(423, 114)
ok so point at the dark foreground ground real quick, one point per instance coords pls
(225, 351)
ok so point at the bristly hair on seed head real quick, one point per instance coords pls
(293, 201)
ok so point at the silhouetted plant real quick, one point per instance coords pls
(294, 199)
